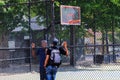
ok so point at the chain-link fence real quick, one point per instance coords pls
(19, 28)
(30, 21)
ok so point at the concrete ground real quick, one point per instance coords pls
(94, 72)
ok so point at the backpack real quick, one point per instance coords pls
(55, 57)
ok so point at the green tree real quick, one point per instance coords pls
(11, 16)
(102, 14)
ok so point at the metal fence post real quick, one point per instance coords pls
(30, 32)
(94, 41)
(72, 43)
(113, 36)
(53, 19)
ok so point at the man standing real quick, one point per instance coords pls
(51, 69)
(41, 52)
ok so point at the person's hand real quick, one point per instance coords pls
(64, 44)
(33, 45)
(33, 51)
(44, 66)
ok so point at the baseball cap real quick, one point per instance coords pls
(55, 41)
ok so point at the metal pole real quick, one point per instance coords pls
(94, 41)
(53, 19)
(30, 33)
(113, 35)
(72, 43)
(46, 35)
(113, 42)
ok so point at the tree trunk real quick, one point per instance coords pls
(4, 54)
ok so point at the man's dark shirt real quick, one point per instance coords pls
(42, 55)
(61, 49)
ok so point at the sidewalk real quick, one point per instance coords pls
(102, 67)
(66, 72)
(94, 72)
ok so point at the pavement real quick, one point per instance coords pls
(93, 72)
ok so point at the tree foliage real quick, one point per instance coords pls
(101, 15)
(95, 13)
